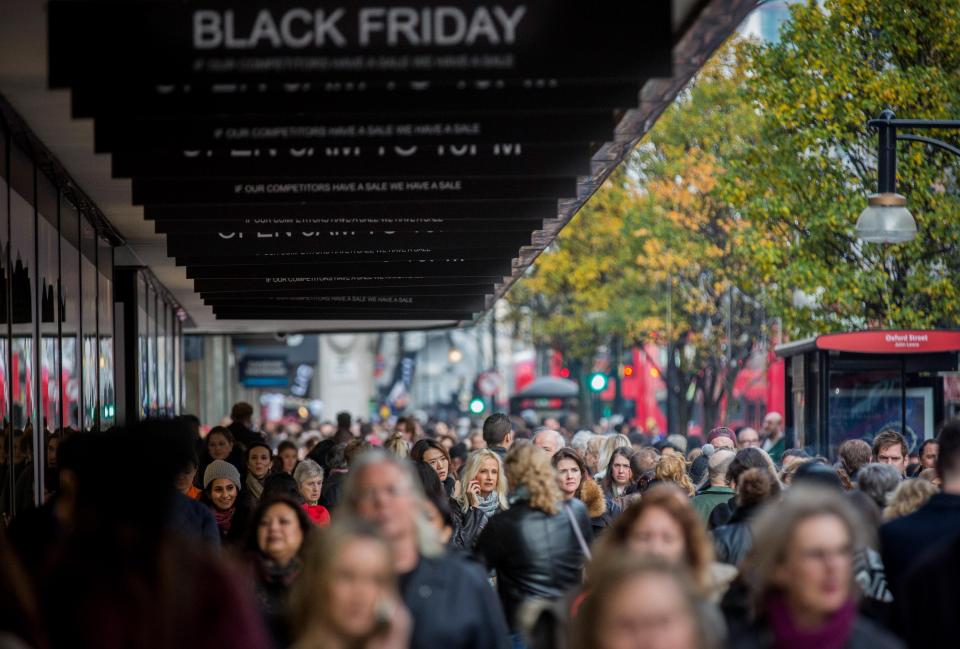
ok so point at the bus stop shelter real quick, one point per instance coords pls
(855, 385)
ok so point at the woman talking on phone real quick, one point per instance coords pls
(483, 494)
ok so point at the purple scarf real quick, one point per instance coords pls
(834, 634)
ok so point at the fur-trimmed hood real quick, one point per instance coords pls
(592, 496)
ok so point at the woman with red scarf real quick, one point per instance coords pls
(221, 491)
(309, 477)
(801, 576)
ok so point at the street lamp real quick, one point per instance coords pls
(886, 218)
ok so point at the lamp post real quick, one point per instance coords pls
(886, 218)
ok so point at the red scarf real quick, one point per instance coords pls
(834, 634)
(224, 519)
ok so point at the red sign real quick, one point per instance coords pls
(892, 342)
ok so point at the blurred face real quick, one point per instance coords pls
(894, 456)
(771, 425)
(386, 499)
(288, 458)
(279, 535)
(569, 477)
(438, 461)
(184, 479)
(218, 446)
(488, 476)
(546, 442)
(647, 612)
(929, 458)
(52, 447)
(477, 441)
(817, 572)
(436, 520)
(620, 471)
(723, 442)
(258, 462)
(656, 532)
(591, 457)
(748, 438)
(223, 493)
(359, 584)
(311, 488)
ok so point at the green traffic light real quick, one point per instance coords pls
(598, 382)
(477, 406)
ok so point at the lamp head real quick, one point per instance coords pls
(886, 219)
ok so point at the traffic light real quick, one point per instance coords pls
(477, 406)
(598, 381)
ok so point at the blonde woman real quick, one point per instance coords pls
(908, 498)
(538, 546)
(483, 493)
(672, 468)
(397, 446)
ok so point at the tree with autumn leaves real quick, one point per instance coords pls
(737, 210)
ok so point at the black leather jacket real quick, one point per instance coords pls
(536, 555)
(733, 541)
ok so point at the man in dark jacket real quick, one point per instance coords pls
(904, 541)
(498, 433)
(241, 425)
(450, 600)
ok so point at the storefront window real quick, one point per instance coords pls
(152, 304)
(69, 307)
(88, 314)
(48, 265)
(6, 439)
(142, 346)
(108, 406)
(23, 388)
(162, 356)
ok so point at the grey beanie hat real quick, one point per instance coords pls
(221, 469)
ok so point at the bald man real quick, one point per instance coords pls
(773, 437)
(548, 440)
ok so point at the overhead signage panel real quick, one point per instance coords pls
(440, 228)
(126, 133)
(344, 242)
(367, 99)
(427, 267)
(457, 290)
(224, 41)
(328, 162)
(354, 254)
(359, 302)
(307, 190)
(244, 313)
(345, 282)
(349, 213)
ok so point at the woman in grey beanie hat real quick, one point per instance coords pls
(221, 491)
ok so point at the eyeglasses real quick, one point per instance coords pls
(824, 555)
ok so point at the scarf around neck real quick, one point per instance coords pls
(489, 505)
(834, 633)
(254, 486)
(224, 519)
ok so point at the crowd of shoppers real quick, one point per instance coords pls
(384, 539)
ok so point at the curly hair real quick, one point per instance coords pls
(668, 498)
(672, 468)
(908, 498)
(529, 467)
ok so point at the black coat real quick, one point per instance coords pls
(733, 541)
(904, 540)
(467, 526)
(452, 606)
(929, 599)
(536, 555)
